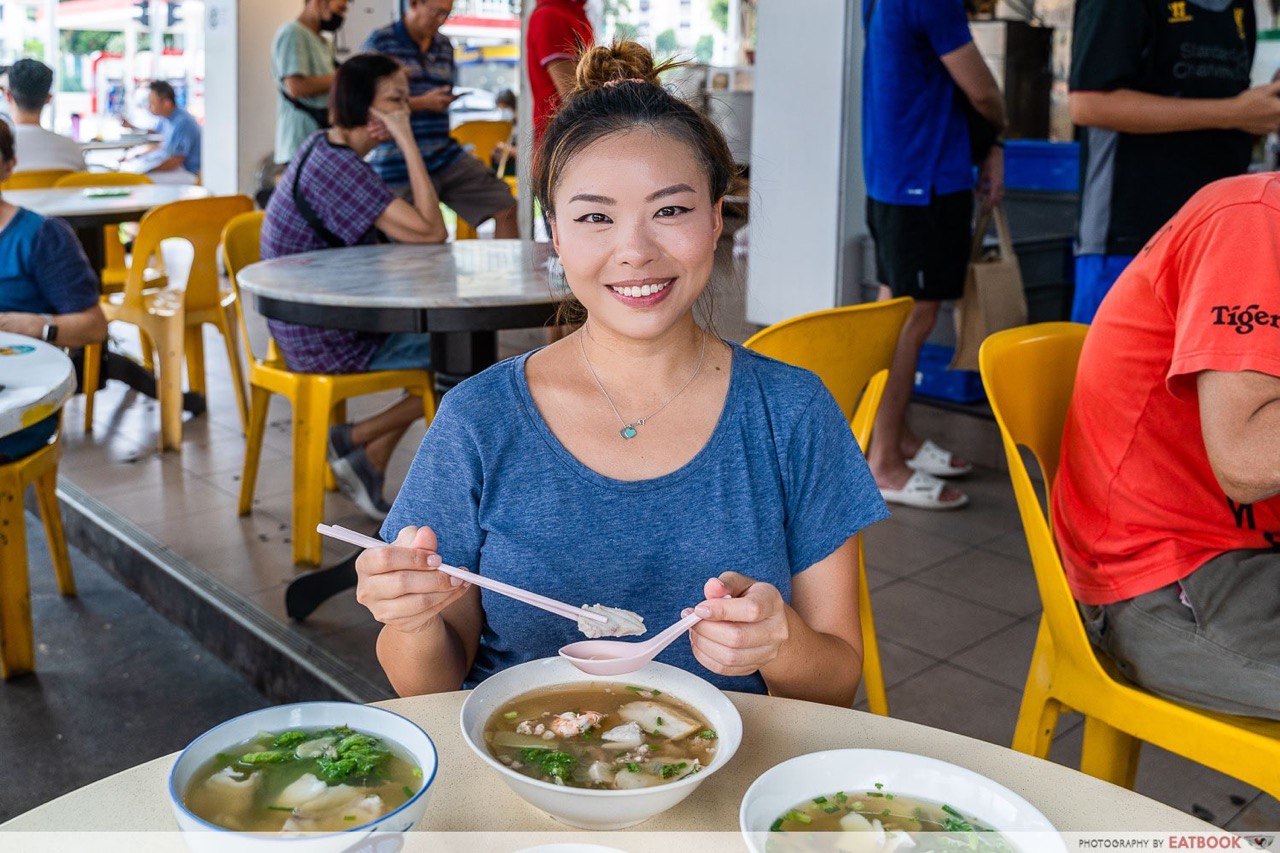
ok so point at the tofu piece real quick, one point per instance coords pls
(674, 725)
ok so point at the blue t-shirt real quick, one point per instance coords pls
(779, 486)
(180, 137)
(915, 138)
(429, 69)
(43, 269)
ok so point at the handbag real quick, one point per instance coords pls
(993, 297)
(320, 115)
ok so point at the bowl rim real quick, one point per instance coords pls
(688, 781)
(177, 801)
(756, 783)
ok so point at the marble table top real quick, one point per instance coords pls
(463, 274)
(77, 202)
(37, 379)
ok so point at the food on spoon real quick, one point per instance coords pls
(303, 780)
(622, 623)
(891, 823)
(605, 736)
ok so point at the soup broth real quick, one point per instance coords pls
(897, 823)
(605, 736)
(303, 780)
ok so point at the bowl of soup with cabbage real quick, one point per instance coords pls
(880, 801)
(317, 774)
(600, 752)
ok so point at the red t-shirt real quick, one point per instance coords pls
(1136, 505)
(555, 31)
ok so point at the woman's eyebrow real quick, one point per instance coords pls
(594, 199)
(674, 189)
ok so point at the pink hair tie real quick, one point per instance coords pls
(610, 84)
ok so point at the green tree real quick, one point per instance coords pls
(33, 49)
(704, 49)
(720, 14)
(612, 11)
(624, 31)
(665, 44)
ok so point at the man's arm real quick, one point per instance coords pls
(967, 67)
(1240, 421)
(172, 164)
(563, 76)
(1255, 111)
(306, 86)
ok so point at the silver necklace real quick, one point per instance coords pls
(630, 428)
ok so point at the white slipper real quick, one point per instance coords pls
(932, 459)
(923, 491)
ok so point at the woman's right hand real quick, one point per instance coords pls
(396, 124)
(400, 586)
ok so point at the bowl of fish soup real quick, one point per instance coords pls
(877, 800)
(600, 752)
(310, 777)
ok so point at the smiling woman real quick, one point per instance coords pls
(641, 460)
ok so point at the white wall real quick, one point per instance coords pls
(806, 176)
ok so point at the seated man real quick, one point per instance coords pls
(1165, 504)
(176, 159)
(30, 83)
(47, 290)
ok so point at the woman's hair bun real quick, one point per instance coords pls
(622, 61)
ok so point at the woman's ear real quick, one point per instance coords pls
(717, 214)
(555, 232)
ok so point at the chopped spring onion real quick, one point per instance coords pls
(280, 808)
(799, 817)
(349, 817)
(819, 800)
(408, 792)
(510, 715)
(659, 721)
(708, 735)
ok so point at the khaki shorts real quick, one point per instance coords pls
(470, 189)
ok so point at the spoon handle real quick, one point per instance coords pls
(661, 641)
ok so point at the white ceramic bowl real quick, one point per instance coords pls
(821, 773)
(202, 836)
(595, 809)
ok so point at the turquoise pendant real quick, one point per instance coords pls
(627, 431)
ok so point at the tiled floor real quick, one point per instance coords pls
(954, 597)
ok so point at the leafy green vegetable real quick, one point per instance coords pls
(557, 765)
(669, 770)
(633, 767)
(288, 740)
(358, 756)
(841, 796)
(819, 800)
(708, 735)
(831, 809)
(270, 756)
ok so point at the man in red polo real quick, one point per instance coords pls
(556, 34)
(1165, 505)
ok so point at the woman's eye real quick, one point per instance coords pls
(672, 210)
(593, 219)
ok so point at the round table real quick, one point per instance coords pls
(774, 730)
(462, 292)
(35, 380)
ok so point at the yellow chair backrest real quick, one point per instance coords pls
(1029, 373)
(36, 179)
(482, 137)
(102, 179)
(241, 246)
(199, 221)
(846, 347)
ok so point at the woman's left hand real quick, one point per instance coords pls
(740, 633)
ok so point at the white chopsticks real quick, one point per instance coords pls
(550, 605)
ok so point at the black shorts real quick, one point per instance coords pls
(923, 251)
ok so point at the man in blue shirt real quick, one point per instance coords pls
(176, 159)
(919, 67)
(464, 183)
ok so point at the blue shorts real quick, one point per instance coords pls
(403, 351)
(1094, 276)
(24, 442)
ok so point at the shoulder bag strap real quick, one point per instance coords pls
(333, 241)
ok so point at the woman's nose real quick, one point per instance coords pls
(636, 247)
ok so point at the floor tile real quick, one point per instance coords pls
(248, 554)
(1261, 814)
(950, 698)
(986, 578)
(155, 487)
(1012, 545)
(898, 550)
(1005, 656)
(932, 622)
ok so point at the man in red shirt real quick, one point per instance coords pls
(555, 36)
(1165, 505)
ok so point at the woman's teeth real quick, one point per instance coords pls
(643, 290)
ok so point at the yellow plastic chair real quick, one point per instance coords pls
(114, 270)
(314, 397)
(851, 350)
(36, 179)
(1029, 374)
(40, 469)
(481, 137)
(174, 319)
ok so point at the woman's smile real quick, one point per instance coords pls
(641, 293)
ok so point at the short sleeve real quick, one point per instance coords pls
(442, 491)
(347, 194)
(943, 24)
(830, 493)
(551, 39)
(62, 270)
(291, 54)
(1227, 314)
(1107, 44)
(184, 140)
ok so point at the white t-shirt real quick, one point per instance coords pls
(37, 148)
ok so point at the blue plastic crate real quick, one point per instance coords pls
(933, 379)
(1034, 164)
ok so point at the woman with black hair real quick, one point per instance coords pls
(330, 197)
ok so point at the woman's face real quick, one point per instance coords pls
(391, 97)
(636, 231)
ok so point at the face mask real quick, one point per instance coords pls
(332, 23)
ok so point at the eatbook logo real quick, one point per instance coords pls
(1244, 318)
(1178, 12)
